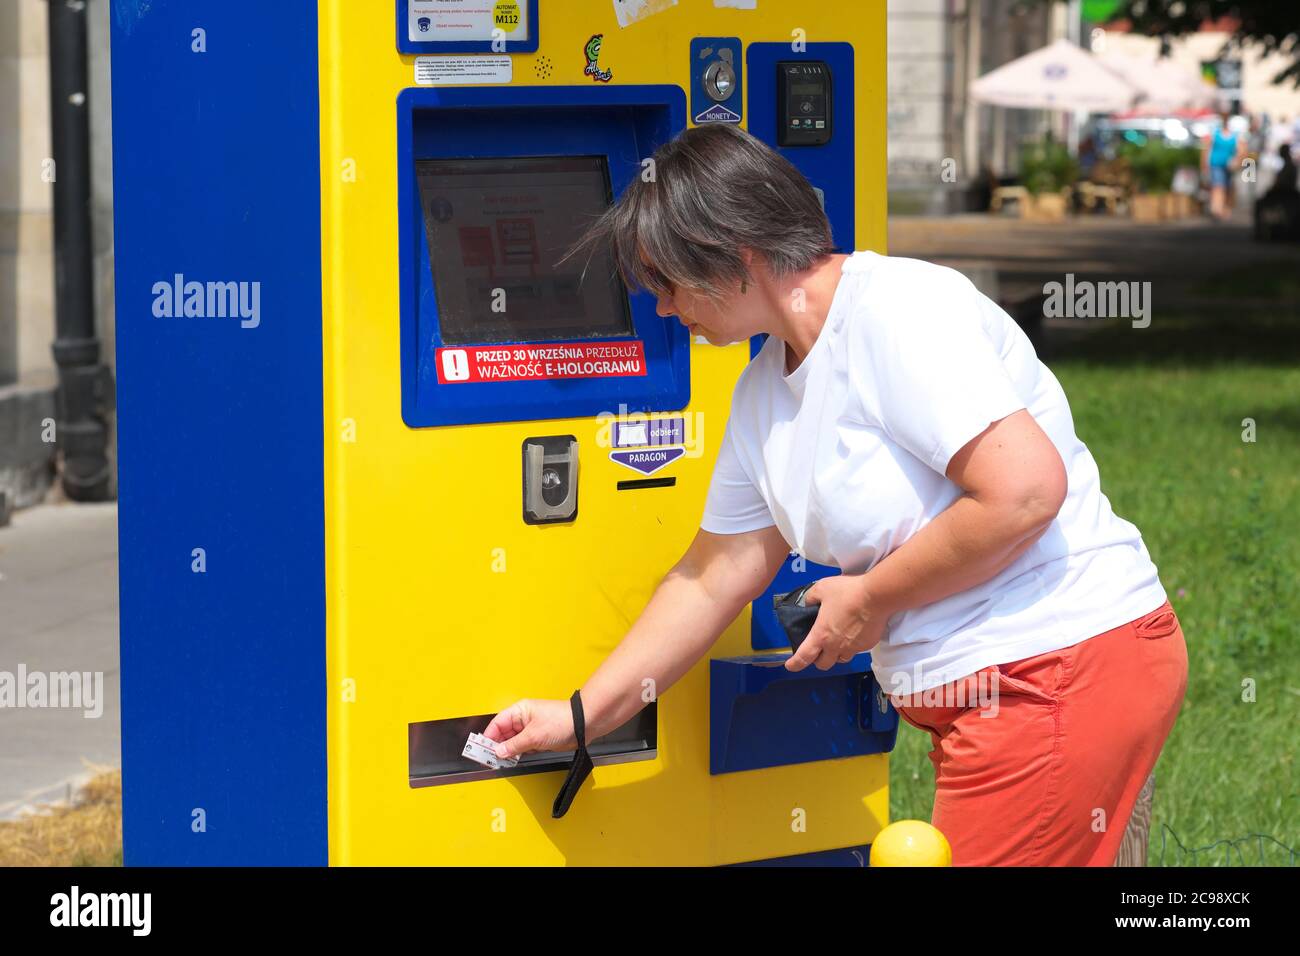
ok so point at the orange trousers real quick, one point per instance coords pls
(1038, 762)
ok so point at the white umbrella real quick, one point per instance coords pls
(1060, 76)
(1166, 87)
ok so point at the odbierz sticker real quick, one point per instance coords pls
(593, 70)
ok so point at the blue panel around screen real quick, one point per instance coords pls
(625, 124)
(216, 164)
(406, 45)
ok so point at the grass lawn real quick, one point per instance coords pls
(1161, 409)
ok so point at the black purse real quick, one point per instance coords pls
(795, 617)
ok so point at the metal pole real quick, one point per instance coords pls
(85, 385)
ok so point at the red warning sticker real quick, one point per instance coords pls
(523, 363)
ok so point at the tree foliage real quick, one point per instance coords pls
(1271, 26)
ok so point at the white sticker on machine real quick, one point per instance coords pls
(630, 11)
(453, 21)
(462, 70)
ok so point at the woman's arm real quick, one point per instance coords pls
(699, 596)
(1014, 482)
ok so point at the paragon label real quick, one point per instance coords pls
(649, 461)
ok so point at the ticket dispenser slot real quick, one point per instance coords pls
(434, 749)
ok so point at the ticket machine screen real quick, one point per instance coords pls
(497, 229)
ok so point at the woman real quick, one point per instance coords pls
(1223, 151)
(898, 425)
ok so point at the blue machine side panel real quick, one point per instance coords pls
(215, 163)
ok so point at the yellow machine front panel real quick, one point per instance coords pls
(441, 601)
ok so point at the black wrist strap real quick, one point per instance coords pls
(581, 766)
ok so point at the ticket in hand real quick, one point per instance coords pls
(482, 750)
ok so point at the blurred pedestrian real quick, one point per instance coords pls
(1278, 146)
(1088, 156)
(1223, 151)
(1285, 180)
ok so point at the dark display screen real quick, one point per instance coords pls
(496, 230)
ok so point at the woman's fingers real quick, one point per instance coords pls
(827, 659)
(520, 743)
(509, 722)
(808, 652)
(813, 651)
(532, 725)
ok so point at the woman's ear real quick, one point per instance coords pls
(747, 257)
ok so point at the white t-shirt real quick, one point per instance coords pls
(847, 455)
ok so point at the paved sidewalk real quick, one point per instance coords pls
(58, 614)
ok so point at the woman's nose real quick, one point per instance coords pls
(664, 307)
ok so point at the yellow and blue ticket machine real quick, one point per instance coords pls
(388, 465)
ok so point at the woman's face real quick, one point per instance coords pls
(721, 321)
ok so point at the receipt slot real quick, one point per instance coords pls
(447, 466)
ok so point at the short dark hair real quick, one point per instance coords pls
(711, 192)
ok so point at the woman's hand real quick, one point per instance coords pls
(533, 725)
(850, 621)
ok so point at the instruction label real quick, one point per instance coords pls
(462, 70)
(449, 21)
(526, 363)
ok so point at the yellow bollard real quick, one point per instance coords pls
(910, 843)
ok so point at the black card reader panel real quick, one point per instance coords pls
(803, 97)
